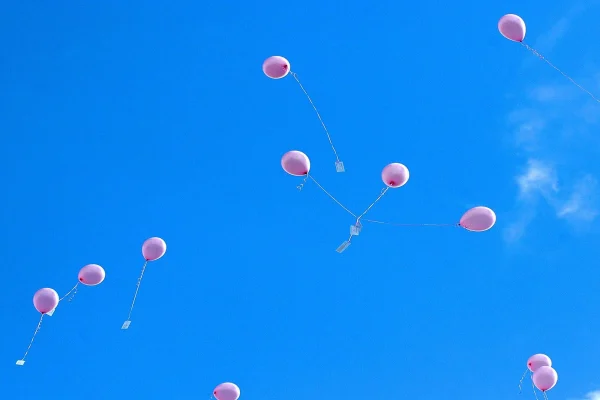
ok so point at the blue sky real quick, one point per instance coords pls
(125, 121)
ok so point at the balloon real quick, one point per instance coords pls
(154, 248)
(276, 67)
(478, 219)
(545, 378)
(538, 360)
(91, 275)
(227, 391)
(295, 163)
(395, 175)
(512, 27)
(45, 300)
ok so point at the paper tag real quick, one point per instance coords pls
(343, 247)
(355, 230)
(20, 362)
(126, 325)
(339, 166)
(51, 312)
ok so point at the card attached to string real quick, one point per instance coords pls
(20, 362)
(343, 246)
(126, 325)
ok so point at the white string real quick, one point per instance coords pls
(318, 115)
(39, 325)
(332, 198)
(383, 191)
(300, 186)
(137, 288)
(73, 289)
(545, 395)
(395, 224)
(521, 381)
(541, 57)
(533, 387)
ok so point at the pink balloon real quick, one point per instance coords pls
(395, 175)
(154, 248)
(538, 360)
(227, 391)
(276, 67)
(91, 275)
(478, 219)
(295, 163)
(512, 27)
(545, 378)
(45, 300)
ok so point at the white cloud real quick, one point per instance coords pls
(595, 395)
(548, 40)
(579, 206)
(538, 178)
(538, 184)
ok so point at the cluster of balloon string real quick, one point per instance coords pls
(394, 175)
(512, 27)
(543, 376)
(46, 300)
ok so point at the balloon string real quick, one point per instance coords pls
(541, 57)
(545, 395)
(521, 381)
(332, 198)
(395, 224)
(533, 388)
(383, 191)
(318, 115)
(39, 325)
(137, 288)
(300, 186)
(73, 290)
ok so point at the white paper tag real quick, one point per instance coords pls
(51, 312)
(343, 247)
(355, 230)
(339, 166)
(20, 362)
(126, 325)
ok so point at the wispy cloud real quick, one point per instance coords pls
(548, 40)
(595, 395)
(550, 119)
(538, 178)
(580, 204)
